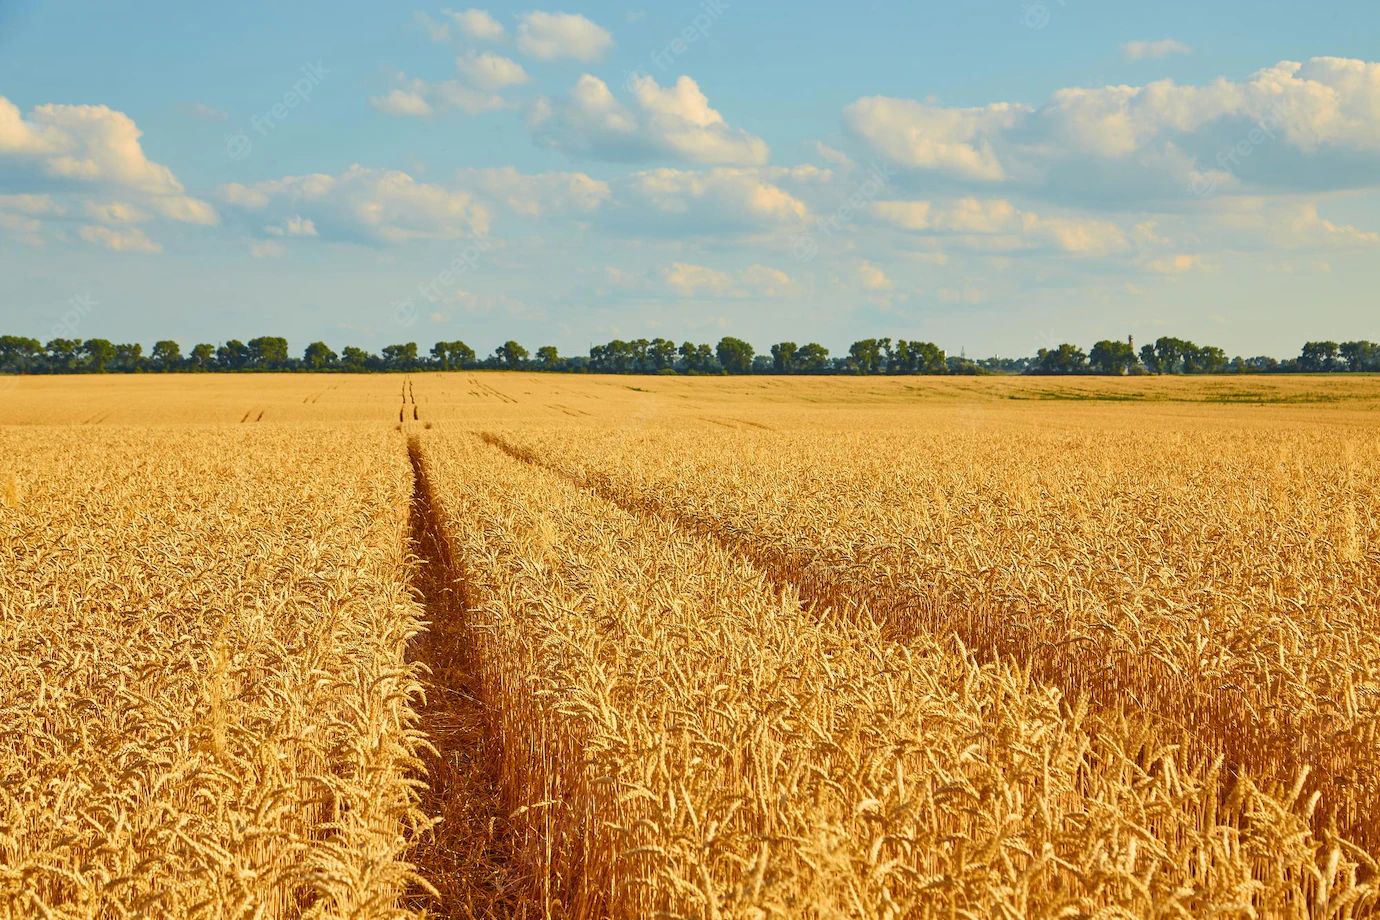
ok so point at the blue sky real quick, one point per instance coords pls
(992, 176)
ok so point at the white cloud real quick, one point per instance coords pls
(768, 282)
(22, 228)
(969, 294)
(924, 136)
(1143, 50)
(478, 24)
(540, 194)
(1175, 265)
(675, 121)
(420, 98)
(201, 110)
(38, 205)
(1292, 125)
(1260, 223)
(837, 157)
(293, 226)
(266, 249)
(364, 205)
(548, 36)
(690, 280)
(715, 201)
(401, 102)
(491, 71)
(873, 278)
(998, 224)
(439, 31)
(66, 147)
(129, 240)
(115, 212)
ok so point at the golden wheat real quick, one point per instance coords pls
(681, 739)
(702, 648)
(1225, 581)
(205, 707)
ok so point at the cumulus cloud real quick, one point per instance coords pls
(733, 201)
(1294, 125)
(38, 205)
(923, 136)
(473, 24)
(837, 157)
(201, 110)
(489, 71)
(540, 194)
(1143, 50)
(674, 121)
(420, 98)
(478, 24)
(690, 280)
(79, 148)
(22, 228)
(873, 278)
(1259, 223)
(128, 240)
(401, 102)
(998, 224)
(1175, 265)
(548, 36)
(366, 205)
(115, 212)
(293, 226)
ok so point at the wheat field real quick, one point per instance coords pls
(514, 645)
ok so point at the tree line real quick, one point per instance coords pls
(1167, 355)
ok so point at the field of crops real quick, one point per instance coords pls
(491, 645)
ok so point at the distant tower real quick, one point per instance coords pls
(1131, 339)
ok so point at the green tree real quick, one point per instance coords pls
(129, 357)
(452, 355)
(929, 358)
(1066, 359)
(1151, 359)
(511, 355)
(1359, 356)
(662, 354)
(268, 352)
(735, 355)
(97, 355)
(63, 353)
(812, 358)
(1169, 356)
(318, 356)
(1319, 357)
(1112, 357)
(400, 357)
(548, 358)
(865, 356)
(166, 355)
(783, 357)
(355, 359)
(19, 354)
(232, 356)
(1207, 359)
(203, 356)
